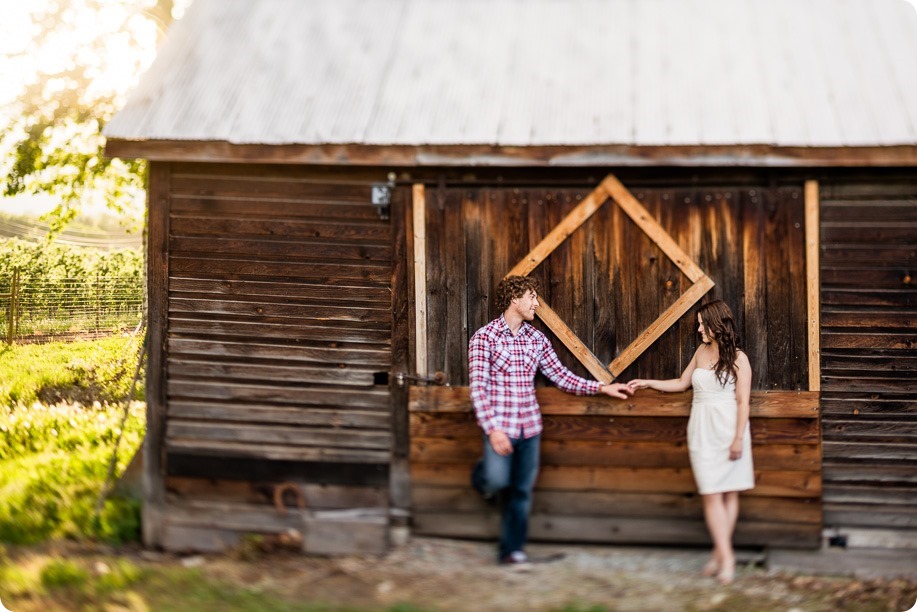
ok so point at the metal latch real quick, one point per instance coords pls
(438, 378)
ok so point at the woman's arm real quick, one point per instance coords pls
(743, 394)
(674, 385)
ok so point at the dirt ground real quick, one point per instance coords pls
(439, 574)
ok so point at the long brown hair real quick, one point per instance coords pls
(719, 325)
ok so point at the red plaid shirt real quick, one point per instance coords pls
(501, 369)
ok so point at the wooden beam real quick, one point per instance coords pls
(481, 155)
(660, 325)
(651, 227)
(572, 342)
(812, 284)
(561, 231)
(420, 279)
(554, 402)
(154, 464)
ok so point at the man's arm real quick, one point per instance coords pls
(567, 381)
(478, 379)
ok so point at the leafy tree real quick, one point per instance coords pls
(87, 54)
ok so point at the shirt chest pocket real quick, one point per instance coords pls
(506, 360)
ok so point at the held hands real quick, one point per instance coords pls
(638, 383)
(618, 390)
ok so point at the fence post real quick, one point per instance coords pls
(14, 307)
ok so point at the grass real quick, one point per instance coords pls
(55, 582)
(54, 455)
(84, 371)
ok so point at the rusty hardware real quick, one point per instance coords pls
(438, 378)
(282, 488)
(907, 279)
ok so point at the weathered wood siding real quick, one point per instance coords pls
(869, 358)
(277, 344)
(618, 471)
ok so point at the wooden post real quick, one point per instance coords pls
(154, 463)
(812, 284)
(420, 279)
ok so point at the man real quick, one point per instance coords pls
(503, 357)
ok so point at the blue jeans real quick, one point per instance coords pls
(513, 476)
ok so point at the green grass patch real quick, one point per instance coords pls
(84, 371)
(54, 458)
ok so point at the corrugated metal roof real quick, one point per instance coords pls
(811, 73)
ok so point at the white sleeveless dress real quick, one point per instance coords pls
(711, 430)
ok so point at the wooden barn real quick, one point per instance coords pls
(337, 186)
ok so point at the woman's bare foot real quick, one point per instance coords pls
(711, 568)
(727, 571)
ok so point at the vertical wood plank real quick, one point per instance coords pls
(812, 284)
(755, 334)
(399, 471)
(420, 279)
(779, 326)
(156, 407)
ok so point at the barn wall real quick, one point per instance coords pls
(869, 358)
(618, 471)
(275, 349)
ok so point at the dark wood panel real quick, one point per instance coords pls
(259, 450)
(886, 430)
(873, 452)
(264, 413)
(331, 357)
(358, 294)
(863, 340)
(651, 480)
(318, 496)
(246, 183)
(289, 249)
(302, 395)
(870, 384)
(613, 453)
(275, 328)
(332, 274)
(621, 504)
(865, 296)
(629, 429)
(553, 401)
(617, 530)
(254, 433)
(884, 471)
(375, 318)
(252, 226)
(871, 515)
(316, 206)
(862, 233)
(874, 256)
(197, 369)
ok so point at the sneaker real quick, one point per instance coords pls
(516, 560)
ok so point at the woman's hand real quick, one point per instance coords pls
(638, 383)
(735, 450)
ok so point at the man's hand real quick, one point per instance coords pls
(616, 390)
(500, 442)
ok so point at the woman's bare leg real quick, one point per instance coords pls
(719, 525)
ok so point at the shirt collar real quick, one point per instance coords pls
(524, 330)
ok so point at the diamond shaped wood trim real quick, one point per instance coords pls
(611, 188)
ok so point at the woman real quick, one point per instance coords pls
(719, 439)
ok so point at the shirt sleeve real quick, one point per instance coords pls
(565, 380)
(478, 379)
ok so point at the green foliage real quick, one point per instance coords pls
(49, 265)
(53, 140)
(86, 371)
(54, 458)
(63, 573)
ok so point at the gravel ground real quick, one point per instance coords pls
(438, 574)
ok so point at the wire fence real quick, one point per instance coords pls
(68, 308)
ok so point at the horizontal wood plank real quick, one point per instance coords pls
(259, 349)
(553, 401)
(188, 429)
(650, 480)
(299, 395)
(275, 452)
(255, 413)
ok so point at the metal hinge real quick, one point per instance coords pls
(438, 378)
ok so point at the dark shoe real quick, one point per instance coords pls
(516, 560)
